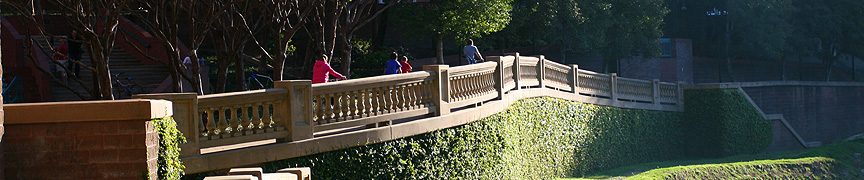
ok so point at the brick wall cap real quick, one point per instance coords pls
(87, 111)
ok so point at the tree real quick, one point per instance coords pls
(357, 14)
(231, 34)
(620, 28)
(460, 19)
(287, 17)
(95, 21)
(829, 30)
(201, 15)
(162, 19)
(757, 28)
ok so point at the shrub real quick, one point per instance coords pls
(721, 122)
(170, 139)
(540, 138)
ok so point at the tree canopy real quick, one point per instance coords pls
(461, 19)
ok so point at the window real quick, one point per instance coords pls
(667, 48)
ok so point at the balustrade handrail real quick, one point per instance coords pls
(13, 92)
(356, 84)
(301, 112)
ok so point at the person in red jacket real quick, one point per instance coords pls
(322, 70)
(60, 55)
(406, 68)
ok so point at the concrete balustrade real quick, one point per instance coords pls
(305, 119)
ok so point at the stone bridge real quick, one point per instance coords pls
(297, 118)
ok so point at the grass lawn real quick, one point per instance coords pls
(839, 152)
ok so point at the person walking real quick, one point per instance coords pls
(393, 66)
(322, 71)
(471, 51)
(406, 68)
(60, 55)
(74, 53)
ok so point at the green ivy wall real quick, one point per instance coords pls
(543, 138)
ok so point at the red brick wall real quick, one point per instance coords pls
(81, 150)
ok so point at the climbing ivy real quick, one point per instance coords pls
(540, 137)
(170, 139)
(545, 138)
(722, 122)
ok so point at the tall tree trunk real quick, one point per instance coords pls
(346, 47)
(439, 48)
(196, 72)
(239, 75)
(783, 69)
(729, 68)
(828, 67)
(176, 84)
(221, 78)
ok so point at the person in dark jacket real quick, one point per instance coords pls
(74, 53)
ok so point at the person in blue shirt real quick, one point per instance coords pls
(470, 51)
(392, 66)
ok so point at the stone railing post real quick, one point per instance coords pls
(680, 94)
(441, 91)
(574, 75)
(613, 86)
(187, 117)
(541, 71)
(298, 108)
(517, 68)
(499, 77)
(655, 91)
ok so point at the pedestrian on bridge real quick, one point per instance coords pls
(322, 71)
(471, 51)
(405, 66)
(393, 66)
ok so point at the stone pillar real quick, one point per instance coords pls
(541, 70)
(516, 69)
(441, 91)
(499, 76)
(299, 108)
(655, 91)
(680, 94)
(187, 117)
(574, 75)
(613, 86)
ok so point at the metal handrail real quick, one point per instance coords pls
(14, 91)
(134, 37)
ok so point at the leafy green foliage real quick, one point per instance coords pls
(542, 138)
(721, 122)
(804, 168)
(463, 19)
(545, 138)
(170, 139)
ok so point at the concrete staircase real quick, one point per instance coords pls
(147, 76)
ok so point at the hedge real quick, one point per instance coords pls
(722, 122)
(539, 138)
(544, 138)
(170, 139)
